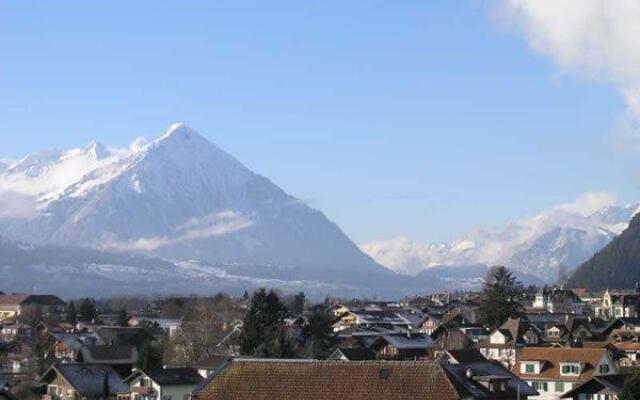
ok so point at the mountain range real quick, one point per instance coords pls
(552, 243)
(179, 215)
(177, 198)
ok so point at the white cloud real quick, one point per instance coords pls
(213, 225)
(17, 205)
(589, 203)
(593, 38)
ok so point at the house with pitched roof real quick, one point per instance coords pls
(249, 379)
(628, 342)
(558, 300)
(600, 387)
(82, 381)
(402, 347)
(553, 371)
(163, 384)
(615, 305)
(505, 342)
(14, 305)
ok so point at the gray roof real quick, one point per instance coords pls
(87, 379)
(108, 354)
(123, 335)
(173, 376)
(413, 342)
(379, 317)
(486, 369)
(75, 341)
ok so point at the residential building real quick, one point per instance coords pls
(402, 347)
(66, 346)
(618, 305)
(163, 384)
(600, 387)
(505, 342)
(627, 342)
(14, 305)
(558, 300)
(553, 371)
(82, 381)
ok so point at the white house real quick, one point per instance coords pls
(163, 384)
(553, 371)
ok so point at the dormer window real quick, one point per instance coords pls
(530, 367)
(530, 338)
(570, 369)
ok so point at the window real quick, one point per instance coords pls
(570, 369)
(604, 369)
(540, 386)
(529, 368)
(559, 387)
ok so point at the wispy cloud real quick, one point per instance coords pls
(213, 225)
(17, 205)
(597, 39)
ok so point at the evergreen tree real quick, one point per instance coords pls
(500, 298)
(245, 296)
(299, 301)
(631, 389)
(263, 332)
(149, 357)
(123, 318)
(87, 311)
(71, 316)
(318, 334)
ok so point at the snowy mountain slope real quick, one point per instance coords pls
(178, 197)
(561, 237)
(76, 272)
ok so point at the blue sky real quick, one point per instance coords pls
(424, 119)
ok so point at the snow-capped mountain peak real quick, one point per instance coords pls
(96, 151)
(556, 239)
(180, 197)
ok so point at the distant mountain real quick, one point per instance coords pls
(617, 265)
(179, 198)
(557, 239)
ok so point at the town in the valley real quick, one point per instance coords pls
(505, 341)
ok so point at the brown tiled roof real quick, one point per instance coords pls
(556, 355)
(244, 379)
(13, 299)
